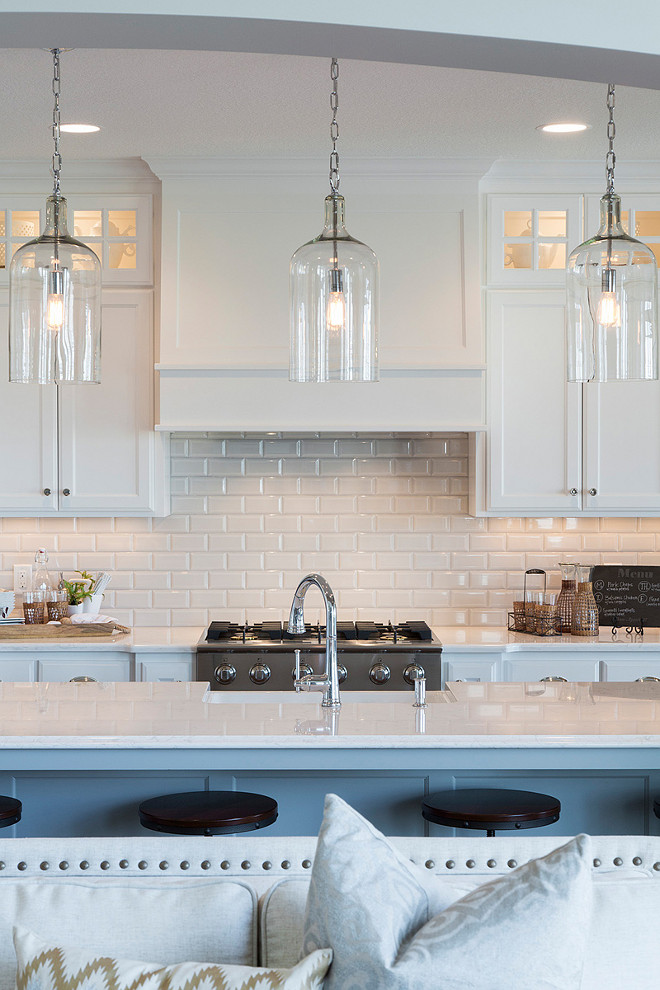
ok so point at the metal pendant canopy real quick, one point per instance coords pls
(612, 295)
(55, 292)
(334, 292)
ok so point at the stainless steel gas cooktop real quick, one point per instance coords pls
(372, 655)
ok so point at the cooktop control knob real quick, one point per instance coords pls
(380, 673)
(412, 671)
(225, 673)
(343, 673)
(305, 669)
(259, 673)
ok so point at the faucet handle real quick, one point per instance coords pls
(297, 680)
(420, 692)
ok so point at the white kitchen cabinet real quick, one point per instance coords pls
(535, 667)
(631, 668)
(168, 667)
(87, 449)
(557, 448)
(17, 668)
(468, 667)
(224, 348)
(96, 666)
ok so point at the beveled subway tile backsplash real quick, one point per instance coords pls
(384, 519)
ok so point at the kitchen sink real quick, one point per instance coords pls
(314, 698)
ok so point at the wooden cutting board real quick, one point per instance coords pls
(37, 631)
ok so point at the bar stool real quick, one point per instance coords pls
(10, 811)
(491, 809)
(208, 812)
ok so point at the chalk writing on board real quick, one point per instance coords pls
(626, 595)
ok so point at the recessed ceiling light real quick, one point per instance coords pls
(79, 128)
(563, 128)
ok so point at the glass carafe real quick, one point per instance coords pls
(567, 596)
(585, 610)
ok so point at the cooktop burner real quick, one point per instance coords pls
(360, 631)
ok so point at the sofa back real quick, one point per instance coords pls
(241, 898)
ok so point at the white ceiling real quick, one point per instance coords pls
(157, 103)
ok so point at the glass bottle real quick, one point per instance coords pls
(585, 609)
(334, 305)
(567, 596)
(41, 578)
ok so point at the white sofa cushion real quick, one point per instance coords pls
(45, 966)
(168, 920)
(378, 913)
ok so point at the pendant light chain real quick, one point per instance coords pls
(334, 128)
(57, 157)
(610, 159)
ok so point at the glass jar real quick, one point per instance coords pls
(567, 596)
(585, 609)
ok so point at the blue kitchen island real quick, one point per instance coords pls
(82, 756)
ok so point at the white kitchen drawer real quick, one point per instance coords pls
(178, 667)
(631, 668)
(537, 668)
(470, 667)
(93, 665)
(15, 669)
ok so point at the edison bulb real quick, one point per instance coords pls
(336, 311)
(608, 313)
(55, 300)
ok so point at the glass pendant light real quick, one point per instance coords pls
(55, 293)
(612, 289)
(334, 292)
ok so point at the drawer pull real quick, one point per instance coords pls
(641, 680)
(573, 491)
(82, 679)
(555, 678)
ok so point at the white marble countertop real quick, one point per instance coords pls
(138, 716)
(455, 639)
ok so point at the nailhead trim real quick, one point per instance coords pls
(512, 864)
(22, 866)
(85, 865)
(470, 864)
(267, 865)
(105, 865)
(205, 864)
(637, 860)
(164, 865)
(656, 866)
(429, 864)
(618, 861)
(245, 865)
(306, 864)
(44, 866)
(142, 865)
(225, 864)
(184, 864)
(286, 865)
(450, 864)
(491, 863)
(64, 865)
(123, 864)
(596, 862)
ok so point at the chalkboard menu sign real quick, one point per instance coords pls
(626, 595)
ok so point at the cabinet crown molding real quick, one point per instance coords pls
(179, 167)
(568, 175)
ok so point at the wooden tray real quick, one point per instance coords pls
(66, 631)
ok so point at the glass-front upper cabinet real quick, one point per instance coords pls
(119, 229)
(640, 216)
(530, 237)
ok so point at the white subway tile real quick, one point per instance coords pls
(239, 485)
(151, 617)
(85, 525)
(644, 542)
(150, 541)
(318, 524)
(338, 541)
(186, 580)
(567, 542)
(190, 617)
(226, 542)
(469, 561)
(171, 561)
(215, 599)
(394, 561)
(114, 542)
(244, 561)
(412, 541)
(601, 541)
(264, 579)
(188, 542)
(299, 542)
(366, 542)
(133, 599)
(171, 599)
(21, 526)
(132, 561)
(150, 579)
(226, 579)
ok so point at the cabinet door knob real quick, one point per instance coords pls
(592, 491)
(573, 491)
(66, 491)
(46, 491)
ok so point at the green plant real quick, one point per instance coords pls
(78, 591)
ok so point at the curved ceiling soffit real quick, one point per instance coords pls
(183, 32)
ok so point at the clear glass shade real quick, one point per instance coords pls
(334, 305)
(612, 307)
(55, 306)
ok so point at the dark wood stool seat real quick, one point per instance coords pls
(491, 809)
(208, 812)
(10, 811)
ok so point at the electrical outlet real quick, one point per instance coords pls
(22, 577)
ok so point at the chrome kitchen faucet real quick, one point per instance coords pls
(328, 682)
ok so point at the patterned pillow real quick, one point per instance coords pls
(42, 966)
(383, 921)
